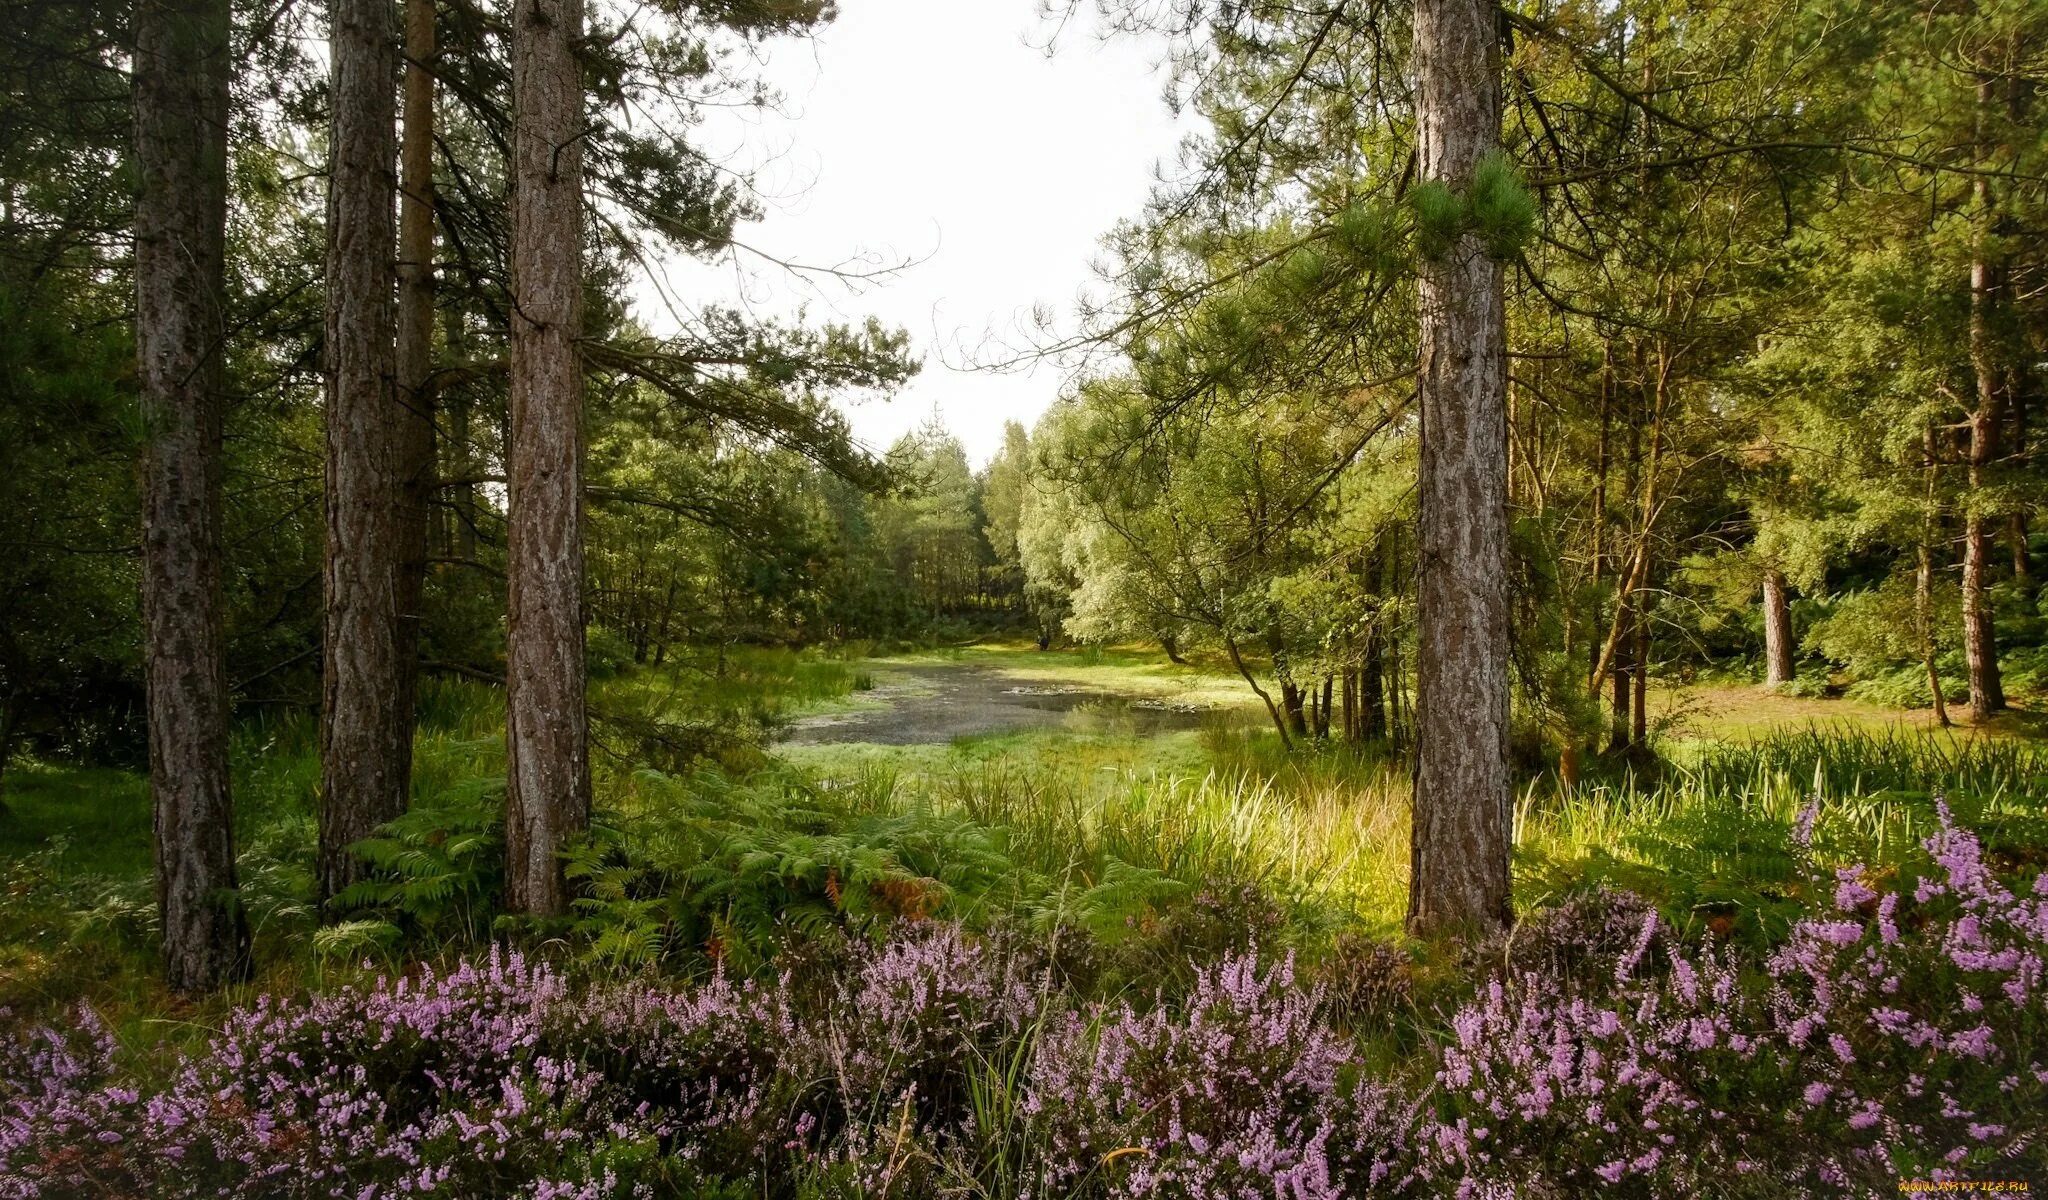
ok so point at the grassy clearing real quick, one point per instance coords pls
(1711, 712)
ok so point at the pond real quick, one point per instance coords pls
(935, 704)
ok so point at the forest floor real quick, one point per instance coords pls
(1169, 765)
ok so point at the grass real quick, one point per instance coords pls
(1724, 712)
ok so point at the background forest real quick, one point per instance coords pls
(1512, 666)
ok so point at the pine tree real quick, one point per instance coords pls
(547, 801)
(181, 76)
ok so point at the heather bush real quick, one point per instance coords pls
(494, 1079)
(1899, 1031)
(64, 1126)
(1584, 938)
(1367, 979)
(1633, 1085)
(909, 1021)
(1900, 1035)
(1918, 1008)
(1243, 1089)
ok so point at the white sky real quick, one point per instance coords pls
(941, 131)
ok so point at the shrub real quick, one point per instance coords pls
(1242, 1090)
(1366, 978)
(1900, 1033)
(913, 1017)
(1899, 1029)
(1920, 1016)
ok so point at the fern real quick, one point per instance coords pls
(434, 872)
(1124, 901)
(356, 939)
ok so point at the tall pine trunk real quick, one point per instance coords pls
(548, 785)
(1460, 841)
(366, 708)
(1777, 630)
(181, 73)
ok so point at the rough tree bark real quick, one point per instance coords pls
(181, 73)
(1460, 841)
(548, 785)
(366, 695)
(1777, 630)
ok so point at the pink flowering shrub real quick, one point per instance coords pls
(64, 1126)
(1242, 1090)
(1919, 1014)
(1633, 1086)
(1901, 1032)
(1901, 1035)
(911, 1017)
(494, 1079)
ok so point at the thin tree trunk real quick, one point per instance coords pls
(1923, 614)
(417, 392)
(1637, 575)
(1373, 720)
(1980, 640)
(2016, 541)
(1598, 557)
(548, 785)
(1777, 630)
(456, 401)
(1923, 580)
(366, 711)
(1461, 829)
(1622, 704)
(1265, 697)
(1641, 678)
(1323, 709)
(1291, 700)
(181, 73)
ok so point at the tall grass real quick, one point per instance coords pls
(1331, 838)
(1327, 831)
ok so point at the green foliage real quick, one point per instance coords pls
(1370, 235)
(1713, 843)
(1500, 207)
(1440, 215)
(433, 874)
